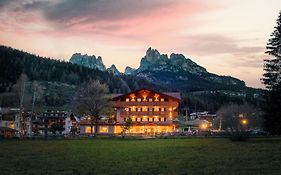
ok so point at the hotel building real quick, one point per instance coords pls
(151, 113)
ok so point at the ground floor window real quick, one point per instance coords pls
(103, 129)
(88, 129)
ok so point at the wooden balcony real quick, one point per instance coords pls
(169, 122)
(124, 104)
(149, 113)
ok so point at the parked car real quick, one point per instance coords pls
(258, 132)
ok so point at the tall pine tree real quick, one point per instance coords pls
(272, 80)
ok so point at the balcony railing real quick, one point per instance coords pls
(145, 103)
(149, 113)
(155, 122)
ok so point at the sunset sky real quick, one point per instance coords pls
(227, 37)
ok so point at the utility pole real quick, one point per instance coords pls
(32, 110)
(220, 125)
(21, 109)
(186, 113)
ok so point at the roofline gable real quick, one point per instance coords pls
(160, 93)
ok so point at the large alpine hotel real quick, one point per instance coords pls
(151, 112)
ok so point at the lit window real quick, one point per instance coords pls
(139, 109)
(127, 99)
(150, 119)
(150, 100)
(139, 99)
(88, 129)
(133, 118)
(162, 109)
(162, 99)
(133, 109)
(156, 97)
(156, 109)
(144, 118)
(162, 119)
(138, 119)
(156, 119)
(144, 109)
(103, 129)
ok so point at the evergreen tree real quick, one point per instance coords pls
(272, 80)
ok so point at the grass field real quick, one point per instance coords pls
(156, 156)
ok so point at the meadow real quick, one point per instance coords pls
(131, 156)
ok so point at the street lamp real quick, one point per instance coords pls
(244, 121)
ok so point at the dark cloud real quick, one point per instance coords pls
(4, 3)
(66, 11)
(36, 5)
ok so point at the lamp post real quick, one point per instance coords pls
(244, 122)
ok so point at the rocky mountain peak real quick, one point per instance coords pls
(113, 70)
(88, 61)
(154, 61)
(152, 55)
(129, 71)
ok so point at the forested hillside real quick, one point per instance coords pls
(14, 62)
(59, 80)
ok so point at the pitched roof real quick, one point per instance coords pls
(174, 95)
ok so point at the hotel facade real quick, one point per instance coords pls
(151, 113)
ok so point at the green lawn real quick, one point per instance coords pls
(157, 156)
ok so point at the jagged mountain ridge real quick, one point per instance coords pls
(181, 72)
(88, 61)
(175, 71)
(113, 70)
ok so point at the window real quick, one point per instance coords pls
(144, 118)
(162, 109)
(88, 129)
(144, 109)
(150, 100)
(162, 99)
(150, 119)
(139, 99)
(139, 119)
(103, 129)
(156, 119)
(156, 109)
(162, 119)
(127, 99)
(139, 109)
